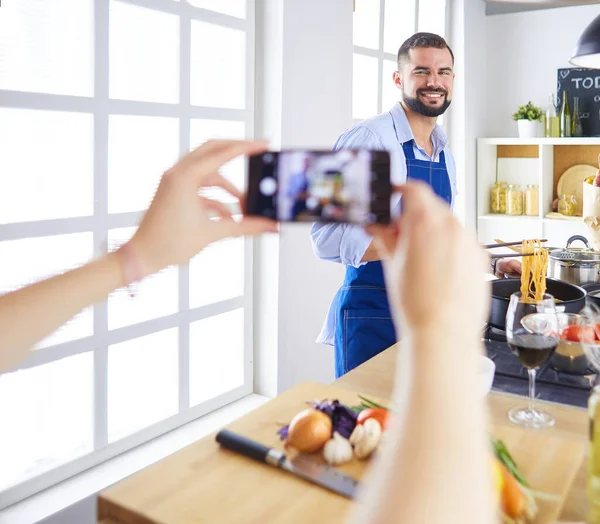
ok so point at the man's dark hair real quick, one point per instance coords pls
(422, 40)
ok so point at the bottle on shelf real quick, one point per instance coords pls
(552, 124)
(565, 116)
(576, 125)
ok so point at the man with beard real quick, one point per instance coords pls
(359, 324)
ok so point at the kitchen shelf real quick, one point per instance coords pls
(567, 218)
(538, 161)
(499, 216)
(513, 141)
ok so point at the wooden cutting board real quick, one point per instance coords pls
(549, 463)
(205, 483)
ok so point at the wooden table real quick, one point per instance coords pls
(176, 481)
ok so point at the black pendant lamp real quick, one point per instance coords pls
(587, 50)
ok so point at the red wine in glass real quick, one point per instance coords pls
(532, 335)
(532, 350)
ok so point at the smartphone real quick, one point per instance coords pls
(347, 186)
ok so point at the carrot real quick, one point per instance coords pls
(512, 500)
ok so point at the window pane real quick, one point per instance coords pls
(366, 23)
(144, 54)
(432, 16)
(218, 68)
(28, 260)
(228, 7)
(47, 46)
(43, 154)
(364, 87)
(216, 355)
(391, 94)
(217, 273)
(47, 417)
(203, 130)
(156, 296)
(142, 382)
(140, 149)
(399, 23)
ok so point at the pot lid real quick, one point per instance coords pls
(576, 254)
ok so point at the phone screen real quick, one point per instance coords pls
(346, 186)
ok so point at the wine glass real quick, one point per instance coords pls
(532, 335)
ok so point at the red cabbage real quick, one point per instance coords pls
(343, 419)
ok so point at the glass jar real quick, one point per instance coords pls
(593, 484)
(514, 200)
(532, 200)
(567, 205)
(498, 197)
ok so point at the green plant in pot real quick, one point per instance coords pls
(528, 119)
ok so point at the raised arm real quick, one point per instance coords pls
(177, 225)
(435, 465)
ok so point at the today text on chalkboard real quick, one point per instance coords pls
(583, 84)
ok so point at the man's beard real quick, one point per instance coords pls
(417, 106)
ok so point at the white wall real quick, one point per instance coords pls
(524, 51)
(307, 48)
(466, 120)
(317, 107)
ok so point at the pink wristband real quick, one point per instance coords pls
(130, 266)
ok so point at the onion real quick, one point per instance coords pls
(309, 430)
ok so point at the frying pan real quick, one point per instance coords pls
(572, 297)
(593, 291)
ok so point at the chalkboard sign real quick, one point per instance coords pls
(585, 84)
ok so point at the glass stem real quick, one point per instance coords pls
(531, 389)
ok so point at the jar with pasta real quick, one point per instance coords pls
(532, 200)
(567, 205)
(498, 197)
(514, 200)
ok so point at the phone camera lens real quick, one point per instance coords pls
(268, 186)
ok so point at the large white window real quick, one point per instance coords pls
(380, 28)
(97, 98)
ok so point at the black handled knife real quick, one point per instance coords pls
(302, 466)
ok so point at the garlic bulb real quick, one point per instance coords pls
(366, 438)
(337, 450)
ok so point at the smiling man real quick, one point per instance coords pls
(359, 324)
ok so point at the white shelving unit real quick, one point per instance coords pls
(529, 161)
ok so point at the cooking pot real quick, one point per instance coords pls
(577, 266)
(572, 298)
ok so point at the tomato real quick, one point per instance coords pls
(579, 334)
(381, 415)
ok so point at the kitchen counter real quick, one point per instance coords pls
(177, 481)
(375, 377)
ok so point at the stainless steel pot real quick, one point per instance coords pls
(578, 266)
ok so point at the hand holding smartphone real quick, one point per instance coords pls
(347, 186)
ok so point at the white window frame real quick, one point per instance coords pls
(101, 106)
(382, 55)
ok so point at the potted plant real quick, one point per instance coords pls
(528, 119)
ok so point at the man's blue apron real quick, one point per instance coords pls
(364, 325)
